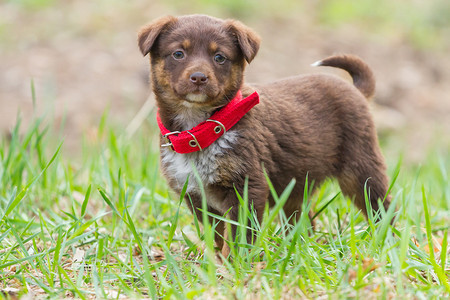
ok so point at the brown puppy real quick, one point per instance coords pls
(315, 125)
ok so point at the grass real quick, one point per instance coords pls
(104, 225)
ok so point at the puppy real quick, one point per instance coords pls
(316, 125)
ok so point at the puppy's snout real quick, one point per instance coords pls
(198, 78)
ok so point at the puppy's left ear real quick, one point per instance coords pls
(248, 40)
(148, 34)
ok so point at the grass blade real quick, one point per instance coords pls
(325, 206)
(173, 227)
(439, 272)
(85, 201)
(14, 202)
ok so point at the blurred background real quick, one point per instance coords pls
(82, 59)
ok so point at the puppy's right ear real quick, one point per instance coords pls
(148, 34)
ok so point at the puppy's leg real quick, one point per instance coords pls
(293, 207)
(219, 234)
(368, 171)
(194, 202)
(258, 192)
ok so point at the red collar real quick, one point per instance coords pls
(207, 132)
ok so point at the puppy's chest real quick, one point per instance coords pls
(207, 163)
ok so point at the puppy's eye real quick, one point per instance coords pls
(220, 59)
(178, 55)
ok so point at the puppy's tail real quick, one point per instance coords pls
(362, 75)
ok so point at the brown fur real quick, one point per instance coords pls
(315, 125)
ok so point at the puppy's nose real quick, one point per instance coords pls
(198, 78)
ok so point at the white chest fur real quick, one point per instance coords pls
(207, 162)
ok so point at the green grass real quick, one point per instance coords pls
(104, 225)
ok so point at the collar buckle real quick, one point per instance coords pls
(168, 143)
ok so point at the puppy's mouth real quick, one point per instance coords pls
(196, 97)
(199, 98)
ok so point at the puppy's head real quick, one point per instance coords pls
(197, 60)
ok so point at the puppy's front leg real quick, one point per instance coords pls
(258, 192)
(194, 202)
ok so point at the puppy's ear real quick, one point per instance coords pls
(148, 34)
(248, 40)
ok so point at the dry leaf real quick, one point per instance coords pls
(369, 264)
(77, 258)
(437, 245)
